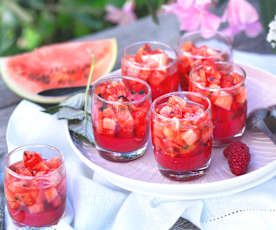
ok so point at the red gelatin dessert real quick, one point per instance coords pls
(224, 84)
(120, 114)
(181, 130)
(191, 55)
(35, 190)
(154, 63)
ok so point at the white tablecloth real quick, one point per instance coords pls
(93, 203)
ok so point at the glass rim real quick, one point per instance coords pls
(219, 53)
(140, 43)
(197, 67)
(186, 93)
(118, 76)
(9, 171)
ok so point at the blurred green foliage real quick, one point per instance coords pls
(27, 24)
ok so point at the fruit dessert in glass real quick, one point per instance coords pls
(224, 84)
(120, 117)
(182, 133)
(194, 49)
(153, 62)
(35, 186)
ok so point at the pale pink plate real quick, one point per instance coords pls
(143, 176)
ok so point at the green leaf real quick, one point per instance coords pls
(32, 38)
(76, 101)
(83, 129)
(19, 11)
(52, 109)
(70, 114)
(153, 7)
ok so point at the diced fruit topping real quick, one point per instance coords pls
(121, 120)
(154, 65)
(36, 208)
(202, 51)
(37, 198)
(177, 107)
(183, 133)
(238, 157)
(51, 194)
(34, 165)
(31, 159)
(211, 76)
(151, 58)
(224, 100)
(190, 137)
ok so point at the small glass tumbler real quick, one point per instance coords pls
(182, 145)
(120, 117)
(224, 84)
(35, 201)
(194, 49)
(154, 62)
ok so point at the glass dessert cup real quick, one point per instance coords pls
(35, 200)
(120, 117)
(153, 62)
(181, 130)
(224, 84)
(194, 49)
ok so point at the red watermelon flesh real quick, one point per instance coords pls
(55, 66)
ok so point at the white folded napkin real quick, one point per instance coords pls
(101, 206)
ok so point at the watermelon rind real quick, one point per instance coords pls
(22, 92)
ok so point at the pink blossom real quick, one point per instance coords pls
(122, 16)
(241, 16)
(194, 15)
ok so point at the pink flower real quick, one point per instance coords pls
(194, 15)
(241, 16)
(122, 16)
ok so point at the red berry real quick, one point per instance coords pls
(235, 146)
(238, 157)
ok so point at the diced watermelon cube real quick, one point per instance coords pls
(50, 194)
(31, 158)
(155, 60)
(242, 95)
(224, 100)
(190, 137)
(53, 163)
(157, 77)
(57, 201)
(36, 208)
(13, 204)
(177, 101)
(109, 124)
(169, 134)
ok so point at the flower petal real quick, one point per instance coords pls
(209, 27)
(253, 29)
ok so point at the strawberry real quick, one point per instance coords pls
(235, 146)
(238, 157)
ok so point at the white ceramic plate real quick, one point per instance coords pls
(143, 176)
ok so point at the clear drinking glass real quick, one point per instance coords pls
(194, 49)
(35, 201)
(154, 62)
(224, 84)
(182, 134)
(120, 117)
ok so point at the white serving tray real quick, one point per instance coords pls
(142, 175)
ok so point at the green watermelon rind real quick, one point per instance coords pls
(20, 91)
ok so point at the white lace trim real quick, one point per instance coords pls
(238, 212)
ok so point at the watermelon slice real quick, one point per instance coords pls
(56, 66)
